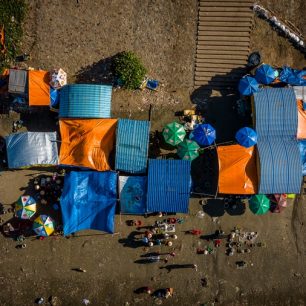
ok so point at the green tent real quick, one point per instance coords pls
(259, 204)
(188, 150)
(174, 133)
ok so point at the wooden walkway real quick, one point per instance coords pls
(222, 43)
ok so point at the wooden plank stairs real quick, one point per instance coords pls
(223, 42)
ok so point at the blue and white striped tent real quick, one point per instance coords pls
(280, 165)
(168, 185)
(132, 145)
(85, 101)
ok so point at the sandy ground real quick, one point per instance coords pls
(80, 38)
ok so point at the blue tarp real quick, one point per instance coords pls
(88, 201)
(85, 101)
(168, 185)
(132, 145)
(31, 149)
(293, 76)
(54, 98)
(133, 190)
(302, 147)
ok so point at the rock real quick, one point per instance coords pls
(54, 301)
(137, 300)
(153, 279)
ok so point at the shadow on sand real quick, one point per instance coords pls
(97, 73)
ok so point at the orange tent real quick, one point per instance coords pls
(87, 142)
(237, 170)
(39, 88)
(301, 132)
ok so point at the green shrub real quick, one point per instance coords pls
(12, 14)
(129, 69)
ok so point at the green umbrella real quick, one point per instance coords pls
(188, 150)
(259, 204)
(174, 133)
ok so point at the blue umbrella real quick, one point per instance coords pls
(265, 74)
(246, 137)
(203, 134)
(248, 85)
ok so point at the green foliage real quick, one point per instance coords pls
(12, 14)
(129, 69)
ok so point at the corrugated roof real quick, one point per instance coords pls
(280, 166)
(168, 185)
(132, 145)
(85, 101)
(276, 112)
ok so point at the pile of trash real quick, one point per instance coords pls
(240, 241)
(237, 241)
(291, 34)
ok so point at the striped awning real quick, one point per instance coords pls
(280, 165)
(132, 145)
(276, 113)
(85, 101)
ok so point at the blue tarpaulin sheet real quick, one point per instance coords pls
(302, 147)
(133, 190)
(293, 76)
(88, 201)
(168, 185)
(54, 98)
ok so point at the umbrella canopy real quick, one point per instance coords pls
(259, 204)
(43, 225)
(265, 74)
(246, 137)
(188, 150)
(203, 134)
(25, 207)
(174, 133)
(248, 85)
